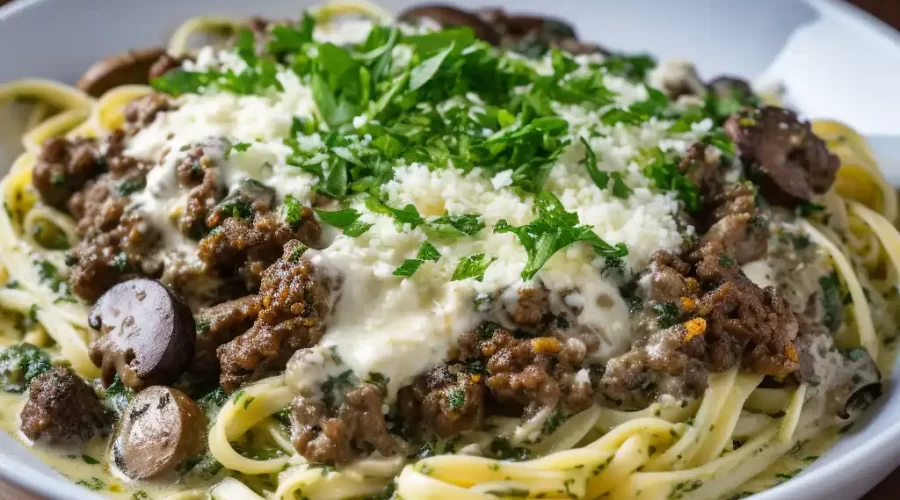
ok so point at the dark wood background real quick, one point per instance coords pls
(889, 12)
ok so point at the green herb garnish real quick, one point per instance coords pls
(553, 230)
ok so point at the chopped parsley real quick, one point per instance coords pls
(346, 219)
(89, 460)
(378, 379)
(456, 398)
(600, 178)
(808, 208)
(335, 388)
(130, 186)
(50, 276)
(117, 396)
(857, 353)
(120, 262)
(557, 418)
(639, 112)
(92, 483)
(410, 266)
(667, 314)
(297, 252)
(240, 147)
(664, 175)
(293, 211)
(472, 266)
(504, 450)
(725, 260)
(454, 226)
(553, 230)
(832, 301)
(20, 364)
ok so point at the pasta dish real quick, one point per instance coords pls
(448, 255)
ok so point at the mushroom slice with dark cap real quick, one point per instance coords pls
(148, 334)
(451, 16)
(860, 399)
(161, 428)
(731, 87)
(782, 155)
(132, 67)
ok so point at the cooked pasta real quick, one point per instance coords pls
(457, 255)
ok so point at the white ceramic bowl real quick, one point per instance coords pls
(836, 62)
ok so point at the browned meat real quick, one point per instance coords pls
(200, 201)
(532, 308)
(782, 155)
(164, 64)
(115, 244)
(191, 169)
(218, 325)
(142, 111)
(246, 247)
(737, 198)
(297, 300)
(659, 364)
(63, 409)
(719, 319)
(667, 274)
(702, 165)
(445, 401)
(338, 435)
(742, 237)
(63, 167)
(248, 197)
(535, 373)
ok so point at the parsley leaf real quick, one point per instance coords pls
(288, 39)
(428, 252)
(472, 266)
(407, 215)
(638, 112)
(456, 398)
(19, 364)
(665, 175)
(553, 230)
(410, 266)
(293, 210)
(600, 178)
(339, 218)
(357, 228)
(425, 70)
(832, 301)
(619, 188)
(240, 147)
(454, 226)
(634, 68)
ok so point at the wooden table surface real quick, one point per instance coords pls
(889, 489)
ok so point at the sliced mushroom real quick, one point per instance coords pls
(861, 399)
(130, 67)
(730, 87)
(148, 334)
(451, 16)
(680, 78)
(161, 428)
